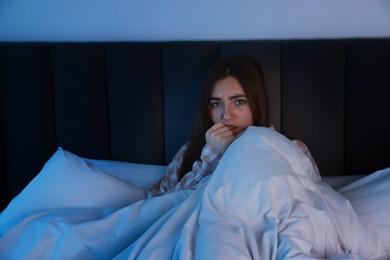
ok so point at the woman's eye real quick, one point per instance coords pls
(215, 104)
(240, 101)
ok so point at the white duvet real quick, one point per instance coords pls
(264, 201)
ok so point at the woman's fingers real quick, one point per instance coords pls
(220, 137)
(219, 131)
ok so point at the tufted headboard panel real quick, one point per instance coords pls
(135, 101)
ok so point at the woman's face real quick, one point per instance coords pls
(229, 105)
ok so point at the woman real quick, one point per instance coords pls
(232, 97)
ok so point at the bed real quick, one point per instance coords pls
(87, 127)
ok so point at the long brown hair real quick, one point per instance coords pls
(250, 76)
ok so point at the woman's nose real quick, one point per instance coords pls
(227, 112)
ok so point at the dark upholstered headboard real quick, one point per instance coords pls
(136, 101)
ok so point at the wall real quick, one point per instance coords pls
(146, 20)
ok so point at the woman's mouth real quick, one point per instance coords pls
(233, 129)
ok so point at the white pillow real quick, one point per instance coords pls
(68, 180)
(370, 197)
(142, 175)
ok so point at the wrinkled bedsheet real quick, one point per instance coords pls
(263, 201)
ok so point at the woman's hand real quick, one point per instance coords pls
(220, 137)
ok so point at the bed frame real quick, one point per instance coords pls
(135, 101)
